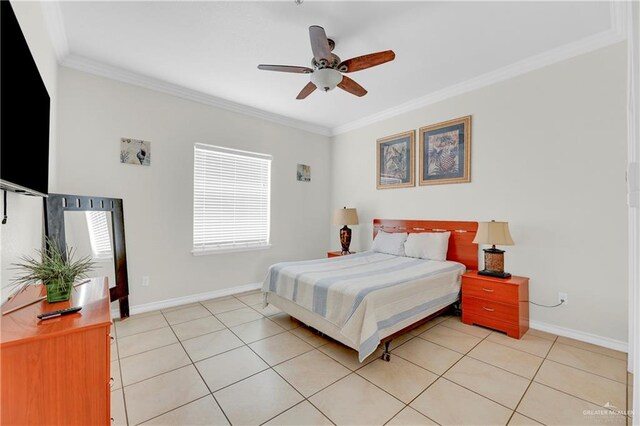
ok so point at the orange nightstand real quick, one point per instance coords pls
(337, 253)
(501, 304)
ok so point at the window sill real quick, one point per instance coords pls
(206, 252)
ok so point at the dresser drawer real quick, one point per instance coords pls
(490, 309)
(490, 290)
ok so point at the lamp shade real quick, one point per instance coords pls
(494, 233)
(345, 216)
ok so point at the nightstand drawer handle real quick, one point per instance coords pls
(488, 290)
(488, 309)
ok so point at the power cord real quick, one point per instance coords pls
(548, 306)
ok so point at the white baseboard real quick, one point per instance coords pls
(199, 297)
(183, 300)
(606, 342)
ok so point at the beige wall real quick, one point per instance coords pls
(96, 112)
(548, 156)
(22, 234)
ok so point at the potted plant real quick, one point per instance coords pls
(56, 269)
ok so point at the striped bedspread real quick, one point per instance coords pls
(365, 293)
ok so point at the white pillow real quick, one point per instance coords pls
(389, 243)
(428, 245)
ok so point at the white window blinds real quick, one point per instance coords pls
(231, 199)
(99, 235)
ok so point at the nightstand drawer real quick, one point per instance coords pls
(490, 309)
(490, 290)
(512, 329)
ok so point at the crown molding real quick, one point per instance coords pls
(532, 63)
(618, 13)
(98, 68)
(617, 33)
(55, 26)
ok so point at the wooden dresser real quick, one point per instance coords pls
(501, 304)
(56, 372)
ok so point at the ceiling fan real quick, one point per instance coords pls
(327, 68)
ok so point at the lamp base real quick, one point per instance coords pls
(494, 263)
(495, 274)
(345, 239)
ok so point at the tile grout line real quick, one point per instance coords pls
(195, 337)
(350, 371)
(212, 356)
(443, 373)
(272, 367)
(279, 375)
(589, 350)
(176, 408)
(124, 401)
(570, 366)
(200, 374)
(357, 371)
(192, 363)
(586, 371)
(531, 382)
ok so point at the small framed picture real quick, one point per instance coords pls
(395, 159)
(303, 173)
(445, 152)
(135, 151)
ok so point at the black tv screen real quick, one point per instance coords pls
(24, 112)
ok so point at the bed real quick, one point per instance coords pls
(367, 298)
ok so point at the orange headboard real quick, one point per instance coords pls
(461, 246)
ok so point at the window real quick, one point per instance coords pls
(231, 199)
(99, 235)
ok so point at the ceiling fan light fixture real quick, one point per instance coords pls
(326, 79)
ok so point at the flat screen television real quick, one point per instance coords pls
(24, 112)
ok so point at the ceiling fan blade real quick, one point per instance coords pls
(367, 61)
(306, 90)
(319, 43)
(285, 68)
(352, 87)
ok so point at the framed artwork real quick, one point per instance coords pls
(135, 151)
(395, 159)
(445, 152)
(303, 173)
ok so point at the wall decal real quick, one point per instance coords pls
(135, 151)
(304, 173)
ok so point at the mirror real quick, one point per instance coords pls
(90, 234)
(95, 227)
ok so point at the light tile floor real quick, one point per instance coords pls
(228, 361)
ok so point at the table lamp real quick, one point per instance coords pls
(345, 216)
(494, 233)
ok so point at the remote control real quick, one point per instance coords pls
(54, 314)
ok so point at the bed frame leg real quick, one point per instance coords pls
(386, 355)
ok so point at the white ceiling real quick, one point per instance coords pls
(214, 47)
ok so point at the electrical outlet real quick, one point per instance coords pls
(145, 281)
(563, 298)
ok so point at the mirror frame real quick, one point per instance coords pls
(54, 207)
